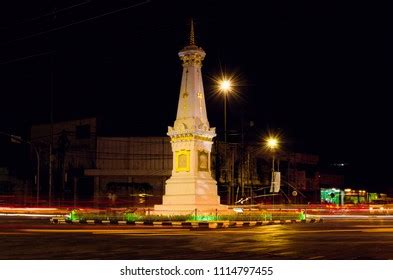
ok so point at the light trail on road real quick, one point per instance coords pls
(333, 239)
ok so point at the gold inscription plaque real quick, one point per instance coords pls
(182, 160)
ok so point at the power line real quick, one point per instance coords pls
(57, 11)
(75, 23)
(26, 57)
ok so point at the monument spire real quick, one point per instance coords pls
(191, 109)
(192, 35)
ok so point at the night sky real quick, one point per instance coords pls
(318, 71)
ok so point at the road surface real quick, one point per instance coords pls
(27, 238)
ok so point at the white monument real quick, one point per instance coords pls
(191, 185)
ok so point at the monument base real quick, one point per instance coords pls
(189, 209)
(186, 195)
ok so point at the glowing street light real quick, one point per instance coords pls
(272, 144)
(225, 86)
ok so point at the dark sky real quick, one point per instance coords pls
(320, 71)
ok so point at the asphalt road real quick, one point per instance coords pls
(23, 238)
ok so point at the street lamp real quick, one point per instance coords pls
(225, 86)
(272, 144)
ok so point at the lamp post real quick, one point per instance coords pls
(38, 170)
(272, 144)
(225, 86)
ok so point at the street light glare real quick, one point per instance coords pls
(225, 85)
(272, 143)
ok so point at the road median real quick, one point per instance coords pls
(185, 224)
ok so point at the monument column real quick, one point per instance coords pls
(191, 185)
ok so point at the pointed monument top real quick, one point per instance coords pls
(191, 53)
(192, 35)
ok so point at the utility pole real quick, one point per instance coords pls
(38, 173)
(242, 160)
(233, 175)
(249, 176)
(75, 182)
(225, 152)
(225, 87)
(51, 132)
(52, 70)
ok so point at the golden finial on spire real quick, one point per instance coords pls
(191, 54)
(192, 35)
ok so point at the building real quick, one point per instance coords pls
(134, 169)
(66, 149)
(89, 168)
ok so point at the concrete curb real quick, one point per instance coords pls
(202, 225)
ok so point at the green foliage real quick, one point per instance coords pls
(246, 217)
(203, 218)
(180, 218)
(302, 216)
(74, 215)
(133, 217)
(285, 215)
(167, 218)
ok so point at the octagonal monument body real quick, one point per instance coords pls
(191, 186)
